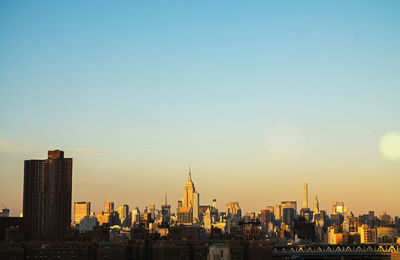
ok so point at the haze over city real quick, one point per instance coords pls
(258, 98)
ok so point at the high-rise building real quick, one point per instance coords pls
(81, 210)
(188, 192)
(233, 212)
(195, 206)
(207, 221)
(385, 219)
(151, 209)
(278, 212)
(305, 196)
(135, 216)
(289, 204)
(189, 205)
(124, 216)
(288, 216)
(185, 216)
(165, 212)
(213, 211)
(316, 205)
(109, 206)
(338, 207)
(270, 208)
(371, 218)
(266, 217)
(47, 197)
(214, 204)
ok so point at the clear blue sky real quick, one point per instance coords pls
(133, 91)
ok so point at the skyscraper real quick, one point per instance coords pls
(124, 216)
(151, 209)
(288, 216)
(165, 212)
(233, 211)
(316, 204)
(81, 210)
(278, 212)
(109, 206)
(188, 192)
(195, 205)
(305, 195)
(135, 216)
(338, 207)
(189, 205)
(289, 204)
(266, 217)
(214, 203)
(47, 197)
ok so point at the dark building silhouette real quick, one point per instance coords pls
(304, 230)
(47, 197)
(266, 217)
(10, 222)
(288, 216)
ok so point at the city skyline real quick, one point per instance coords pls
(260, 97)
(221, 204)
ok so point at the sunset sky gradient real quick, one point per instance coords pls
(259, 96)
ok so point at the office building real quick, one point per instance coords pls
(233, 212)
(207, 220)
(289, 204)
(135, 216)
(387, 234)
(165, 212)
(188, 192)
(278, 212)
(316, 205)
(195, 206)
(385, 219)
(47, 197)
(288, 216)
(185, 216)
(189, 203)
(367, 235)
(124, 216)
(371, 218)
(338, 207)
(214, 204)
(233, 209)
(266, 217)
(109, 206)
(305, 196)
(151, 209)
(81, 210)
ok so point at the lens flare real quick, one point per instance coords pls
(285, 142)
(389, 146)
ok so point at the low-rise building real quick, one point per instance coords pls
(367, 235)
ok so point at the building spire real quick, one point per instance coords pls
(316, 204)
(166, 201)
(190, 174)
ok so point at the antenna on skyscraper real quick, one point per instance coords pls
(190, 175)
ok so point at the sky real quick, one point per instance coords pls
(259, 97)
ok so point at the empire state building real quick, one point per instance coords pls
(188, 192)
(188, 207)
